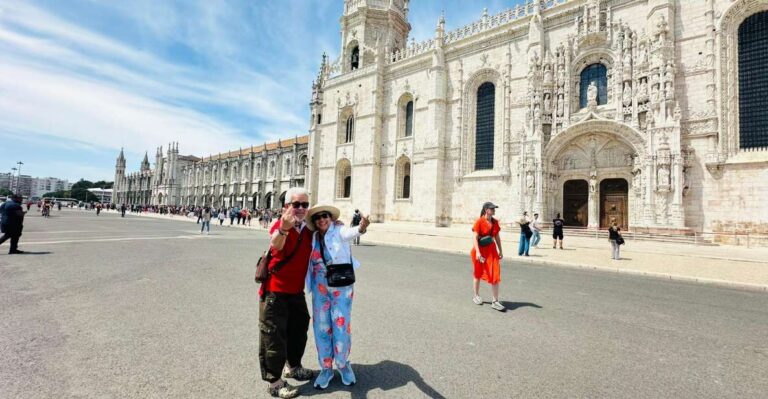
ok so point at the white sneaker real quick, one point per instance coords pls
(498, 306)
(477, 300)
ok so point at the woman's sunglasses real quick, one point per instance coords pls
(298, 204)
(321, 215)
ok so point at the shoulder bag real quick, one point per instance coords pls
(262, 265)
(340, 274)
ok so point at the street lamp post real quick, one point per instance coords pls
(18, 179)
(11, 182)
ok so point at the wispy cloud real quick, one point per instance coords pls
(89, 76)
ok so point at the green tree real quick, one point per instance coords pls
(5, 192)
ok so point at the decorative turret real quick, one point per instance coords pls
(367, 21)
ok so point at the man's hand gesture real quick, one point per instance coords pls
(286, 221)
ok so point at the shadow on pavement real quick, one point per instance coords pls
(515, 305)
(35, 253)
(385, 375)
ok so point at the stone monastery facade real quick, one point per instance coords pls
(254, 177)
(646, 113)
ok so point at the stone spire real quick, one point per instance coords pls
(145, 162)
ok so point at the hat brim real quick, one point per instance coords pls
(334, 211)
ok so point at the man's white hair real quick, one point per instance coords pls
(292, 192)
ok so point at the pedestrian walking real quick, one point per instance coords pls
(205, 215)
(615, 238)
(222, 216)
(12, 222)
(283, 315)
(557, 231)
(525, 235)
(122, 210)
(536, 230)
(332, 296)
(356, 217)
(232, 216)
(486, 255)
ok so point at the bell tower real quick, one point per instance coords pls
(366, 22)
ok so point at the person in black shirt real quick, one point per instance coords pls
(12, 223)
(613, 237)
(557, 231)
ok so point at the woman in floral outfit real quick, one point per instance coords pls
(331, 306)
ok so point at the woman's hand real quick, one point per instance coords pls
(364, 222)
(501, 255)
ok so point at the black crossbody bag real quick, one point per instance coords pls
(338, 275)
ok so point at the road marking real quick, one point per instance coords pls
(109, 240)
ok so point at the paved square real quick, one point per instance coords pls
(147, 308)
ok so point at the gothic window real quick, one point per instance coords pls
(403, 178)
(598, 74)
(303, 165)
(258, 170)
(486, 95)
(409, 119)
(344, 179)
(349, 131)
(319, 118)
(355, 58)
(753, 81)
(288, 167)
(271, 168)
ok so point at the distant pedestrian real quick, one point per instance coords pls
(199, 213)
(232, 216)
(12, 223)
(356, 222)
(536, 230)
(525, 235)
(122, 210)
(222, 216)
(205, 215)
(557, 231)
(616, 240)
(486, 255)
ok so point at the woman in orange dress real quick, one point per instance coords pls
(486, 254)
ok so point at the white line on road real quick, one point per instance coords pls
(110, 240)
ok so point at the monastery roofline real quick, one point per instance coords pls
(519, 16)
(287, 143)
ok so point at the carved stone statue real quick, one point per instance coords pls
(536, 112)
(592, 94)
(560, 75)
(643, 54)
(655, 93)
(642, 93)
(547, 104)
(626, 97)
(662, 176)
(560, 105)
(627, 63)
(529, 180)
(592, 183)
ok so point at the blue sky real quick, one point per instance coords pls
(79, 79)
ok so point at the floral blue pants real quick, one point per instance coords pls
(332, 314)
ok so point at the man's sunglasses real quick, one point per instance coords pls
(321, 215)
(298, 204)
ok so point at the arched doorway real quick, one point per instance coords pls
(576, 203)
(282, 199)
(268, 201)
(614, 196)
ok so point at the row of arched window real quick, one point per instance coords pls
(402, 179)
(406, 129)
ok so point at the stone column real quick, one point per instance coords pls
(593, 204)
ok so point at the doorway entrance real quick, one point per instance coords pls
(575, 203)
(614, 194)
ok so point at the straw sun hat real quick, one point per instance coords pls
(334, 211)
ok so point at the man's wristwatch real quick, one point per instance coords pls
(283, 232)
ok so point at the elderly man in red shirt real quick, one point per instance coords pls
(283, 315)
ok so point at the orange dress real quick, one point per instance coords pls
(490, 270)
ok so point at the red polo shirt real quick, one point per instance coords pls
(290, 278)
